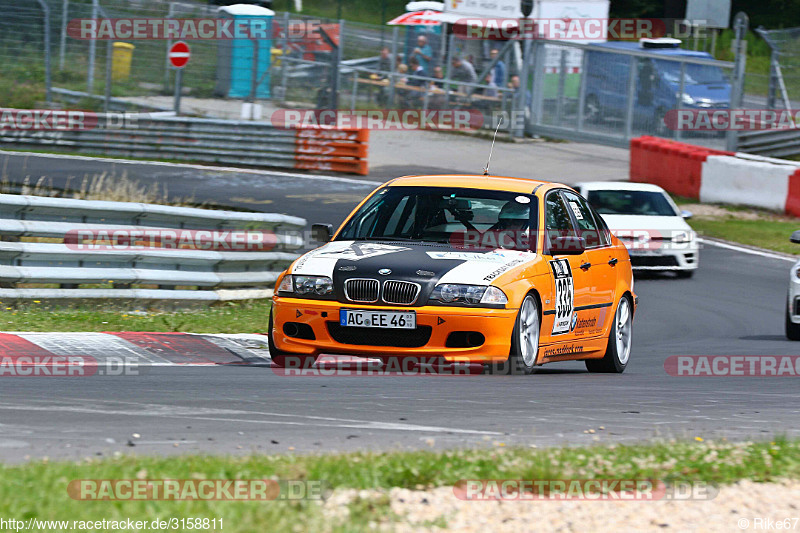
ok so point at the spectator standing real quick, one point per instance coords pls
(423, 52)
(499, 69)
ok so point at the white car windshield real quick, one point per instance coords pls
(642, 203)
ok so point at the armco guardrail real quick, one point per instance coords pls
(770, 142)
(717, 176)
(136, 271)
(227, 142)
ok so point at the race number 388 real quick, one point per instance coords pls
(562, 275)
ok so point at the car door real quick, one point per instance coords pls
(600, 265)
(571, 286)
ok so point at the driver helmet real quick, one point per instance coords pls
(515, 211)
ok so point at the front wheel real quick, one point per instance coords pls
(524, 341)
(283, 359)
(618, 350)
(684, 274)
(792, 329)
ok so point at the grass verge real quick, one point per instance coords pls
(229, 317)
(745, 225)
(714, 462)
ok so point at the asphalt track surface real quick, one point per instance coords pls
(733, 306)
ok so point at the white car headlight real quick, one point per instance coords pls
(686, 99)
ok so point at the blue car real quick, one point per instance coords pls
(658, 83)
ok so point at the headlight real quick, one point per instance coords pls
(469, 294)
(307, 285)
(686, 99)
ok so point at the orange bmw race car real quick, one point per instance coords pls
(508, 272)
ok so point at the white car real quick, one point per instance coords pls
(793, 302)
(644, 217)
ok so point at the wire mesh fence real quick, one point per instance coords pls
(547, 88)
(783, 83)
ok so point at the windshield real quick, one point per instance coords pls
(493, 219)
(695, 74)
(645, 203)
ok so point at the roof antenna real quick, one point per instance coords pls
(486, 168)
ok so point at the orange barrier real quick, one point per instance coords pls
(336, 150)
(675, 166)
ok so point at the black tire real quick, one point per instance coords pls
(516, 363)
(283, 359)
(684, 274)
(792, 329)
(613, 362)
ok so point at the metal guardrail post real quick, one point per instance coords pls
(393, 62)
(521, 99)
(582, 89)
(285, 55)
(62, 52)
(740, 24)
(451, 45)
(170, 15)
(629, 112)
(107, 98)
(679, 105)
(562, 77)
(92, 52)
(354, 97)
(47, 74)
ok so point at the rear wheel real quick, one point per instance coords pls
(285, 359)
(524, 341)
(792, 329)
(619, 342)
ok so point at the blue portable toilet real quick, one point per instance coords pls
(251, 31)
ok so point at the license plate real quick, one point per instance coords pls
(378, 319)
(641, 252)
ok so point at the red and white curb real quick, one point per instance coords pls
(143, 349)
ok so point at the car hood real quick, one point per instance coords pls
(645, 223)
(426, 264)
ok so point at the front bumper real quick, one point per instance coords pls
(496, 325)
(682, 258)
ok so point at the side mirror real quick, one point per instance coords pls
(686, 214)
(795, 238)
(322, 232)
(567, 246)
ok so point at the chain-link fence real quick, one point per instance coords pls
(24, 34)
(607, 92)
(612, 92)
(784, 73)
